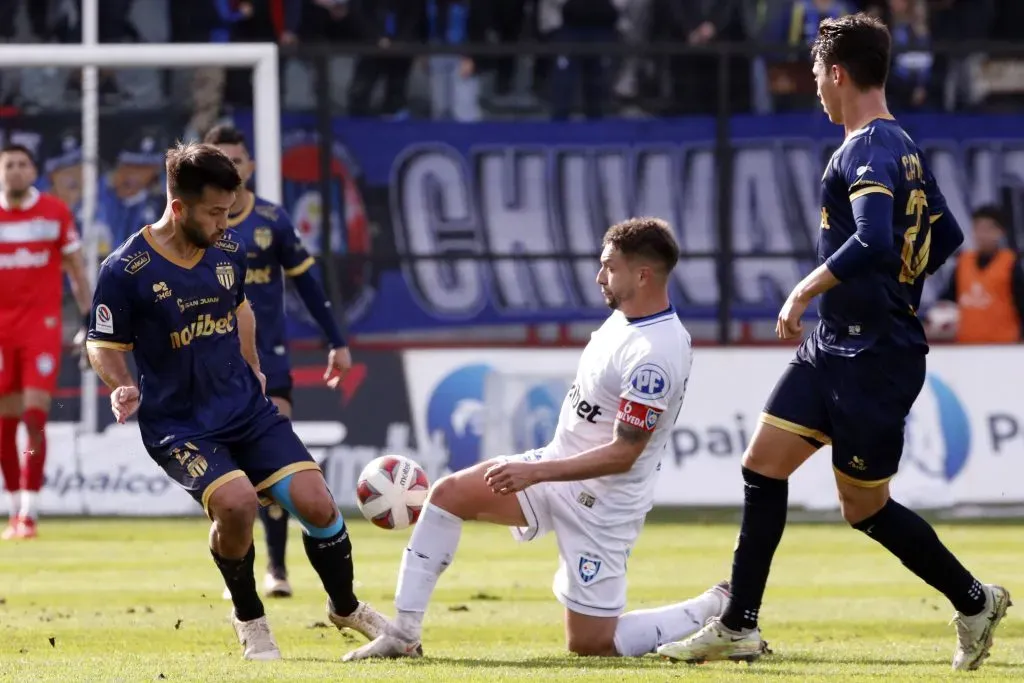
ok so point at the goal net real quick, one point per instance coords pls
(84, 164)
(521, 411)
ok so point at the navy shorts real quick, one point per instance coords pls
(202, 465)
(279, 385)
(859, 405)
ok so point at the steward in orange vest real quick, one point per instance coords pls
(988, 285)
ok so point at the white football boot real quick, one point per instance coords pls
(365, 620)
(276, 586)
(386, 646)
(974, 634)
(256, 639)
(716, 642)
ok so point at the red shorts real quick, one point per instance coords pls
(31, 363)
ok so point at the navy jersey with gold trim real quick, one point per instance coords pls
(876, 308)
(179, 321)
(274, 251)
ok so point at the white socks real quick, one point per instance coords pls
(14, 500)
(643, 631)
(430, 551)
(29, 502)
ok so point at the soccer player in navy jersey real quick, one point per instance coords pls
(274, 250)
(884, 228)
(173, 294)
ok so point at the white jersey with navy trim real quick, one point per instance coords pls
(635, 371)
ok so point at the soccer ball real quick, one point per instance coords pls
(391, 491)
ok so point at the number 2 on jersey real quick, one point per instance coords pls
(914, 257)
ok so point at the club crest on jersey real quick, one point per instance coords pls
(589, 567)
(649, 381)
(263, 237)
(225, 275)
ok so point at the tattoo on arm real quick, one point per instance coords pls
(630, 434)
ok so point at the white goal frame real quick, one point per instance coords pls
(260, 57)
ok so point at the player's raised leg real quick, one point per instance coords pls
(10, 459)
(293, 480)
(456, 498)
(640, 632)
(791, 430)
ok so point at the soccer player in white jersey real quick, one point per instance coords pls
(594, 483)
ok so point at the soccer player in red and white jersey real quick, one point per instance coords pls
(37, 241)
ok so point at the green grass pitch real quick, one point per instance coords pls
(139, 600)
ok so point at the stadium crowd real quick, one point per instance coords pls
(464, 88)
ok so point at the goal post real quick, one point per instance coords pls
(262, 58)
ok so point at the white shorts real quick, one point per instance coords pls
(592, 556)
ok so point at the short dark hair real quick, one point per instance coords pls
(14, 148)
(991, 212)
(193, 166)
(225, 134)
(647, 238)
(859, 43)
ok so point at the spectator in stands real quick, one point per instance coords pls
(693, 78)
(579, 21)
(333, 21)
(790, 82)
(454, 85)
(62, 175)
(131, 195)
(910, 77)
(799, 25)
(506, 19)
(387, 21)
(635, 28)
(987, 286)
(952, 21)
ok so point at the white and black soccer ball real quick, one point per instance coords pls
(391, 491)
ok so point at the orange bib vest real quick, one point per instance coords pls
(985, 299)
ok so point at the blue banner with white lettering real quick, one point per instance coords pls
(478, 207)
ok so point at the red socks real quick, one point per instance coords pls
(10, 459)
(32, 473)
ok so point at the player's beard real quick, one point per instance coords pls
(193, 232)
(611, 299)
